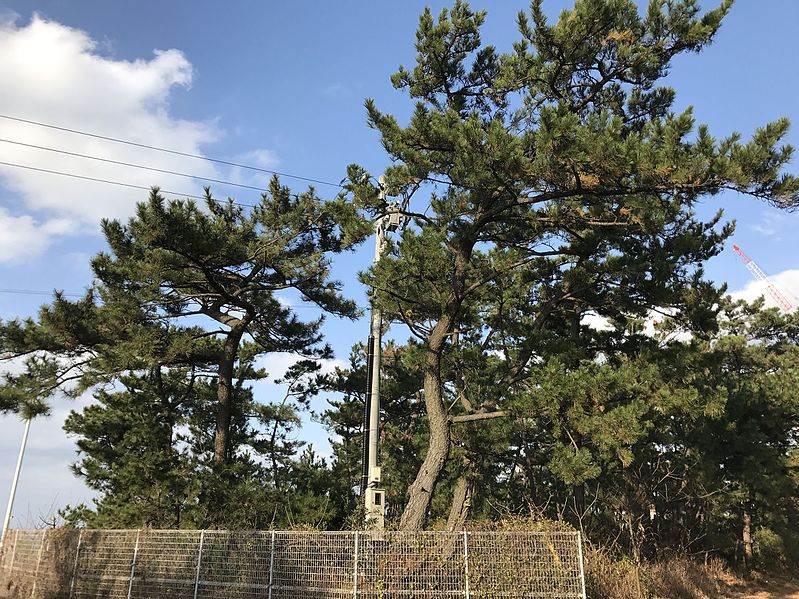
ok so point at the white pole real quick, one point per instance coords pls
(271, 565)
(75, 565)
(133, 563)
(355, 569)
(466, 562)
(14, 550)
(38, 563)
(582, 568)
(15, 480)
(199, 563)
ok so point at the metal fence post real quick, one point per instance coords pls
(271, 565)
(466, 561)
(133, 563)
(75, 565)
(14, 549)
(38, 563)
(199, 561)
(580, 557)
(355, 570)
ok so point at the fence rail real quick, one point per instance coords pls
(149, 564)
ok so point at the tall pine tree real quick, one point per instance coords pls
(563, 175)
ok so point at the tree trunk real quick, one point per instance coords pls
(420, 493)
(421, 490)
(461, 503)
(224, 395)
(746, 537)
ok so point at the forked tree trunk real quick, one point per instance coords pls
(224, 394)
(421, 490)
(420, 493)
(461, 503)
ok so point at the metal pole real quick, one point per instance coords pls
(15, 480)
(580, 557)
(14, 550)
(75, 565)
(271, 565)
(371, 438)
(375, 336)
(355, 570)
(133, 563)
(466, 561)
(199, 561)
(38, 563)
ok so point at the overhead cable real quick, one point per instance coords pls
(168, 151)
(73, 294)
(117, 183)
(132, 165)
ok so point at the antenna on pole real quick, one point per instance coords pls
(758, 273)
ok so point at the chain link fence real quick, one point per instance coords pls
(149, 564)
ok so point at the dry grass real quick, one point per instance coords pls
(768, 589)
(675, 578)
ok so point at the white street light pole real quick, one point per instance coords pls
(15, 480)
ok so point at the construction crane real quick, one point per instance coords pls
(758, 273)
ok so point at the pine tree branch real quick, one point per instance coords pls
(478, 416)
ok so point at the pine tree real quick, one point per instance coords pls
(133, 450)
(168, 267)
(563, 176)
(177, 261)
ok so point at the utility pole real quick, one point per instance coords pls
(373, 493)
(15, 480)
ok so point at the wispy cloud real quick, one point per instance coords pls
(8, 17)
(770, 224)
(263, 158)
(337, 90)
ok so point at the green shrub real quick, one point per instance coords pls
(769, 550)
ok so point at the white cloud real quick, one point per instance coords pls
(23, 237)
(653, 318)
(56, 74)
(276, 364)
(284, 301)
(596, 322)
(786, 282)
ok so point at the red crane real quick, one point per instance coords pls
(756, 271)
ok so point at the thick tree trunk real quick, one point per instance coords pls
(461, 503)
(420, 493)
(421, 490)
(224, 395)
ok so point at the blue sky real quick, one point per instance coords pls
(279, 85)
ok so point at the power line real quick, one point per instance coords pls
(133, 165)
(117, 183)
(37, 292)
(73, 294)
(168, 151)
